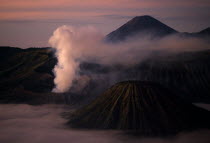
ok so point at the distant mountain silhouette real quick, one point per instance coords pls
(146, 108)
(205, 32)
(145, 25)
(148, 26)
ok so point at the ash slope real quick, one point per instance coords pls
(143, 107)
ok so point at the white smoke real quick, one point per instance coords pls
(77, 44)
(69, 42)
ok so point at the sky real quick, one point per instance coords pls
(30, 23)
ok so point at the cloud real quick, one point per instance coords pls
(75, 45)
(21, 123)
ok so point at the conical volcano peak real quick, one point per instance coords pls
(145, 18)
(140, 25)
(143, 107)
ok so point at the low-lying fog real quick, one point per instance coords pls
(21, 123)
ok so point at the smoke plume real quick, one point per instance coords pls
(69, 43)
(75, 45)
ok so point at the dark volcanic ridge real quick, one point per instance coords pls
(26, 75)
(145, 108)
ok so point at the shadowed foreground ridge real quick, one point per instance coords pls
(143, 107)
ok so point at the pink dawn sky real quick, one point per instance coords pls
(27, 23)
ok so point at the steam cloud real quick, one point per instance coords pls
(71, 44)
(78, 44)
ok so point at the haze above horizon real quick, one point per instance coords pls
(29, 23)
